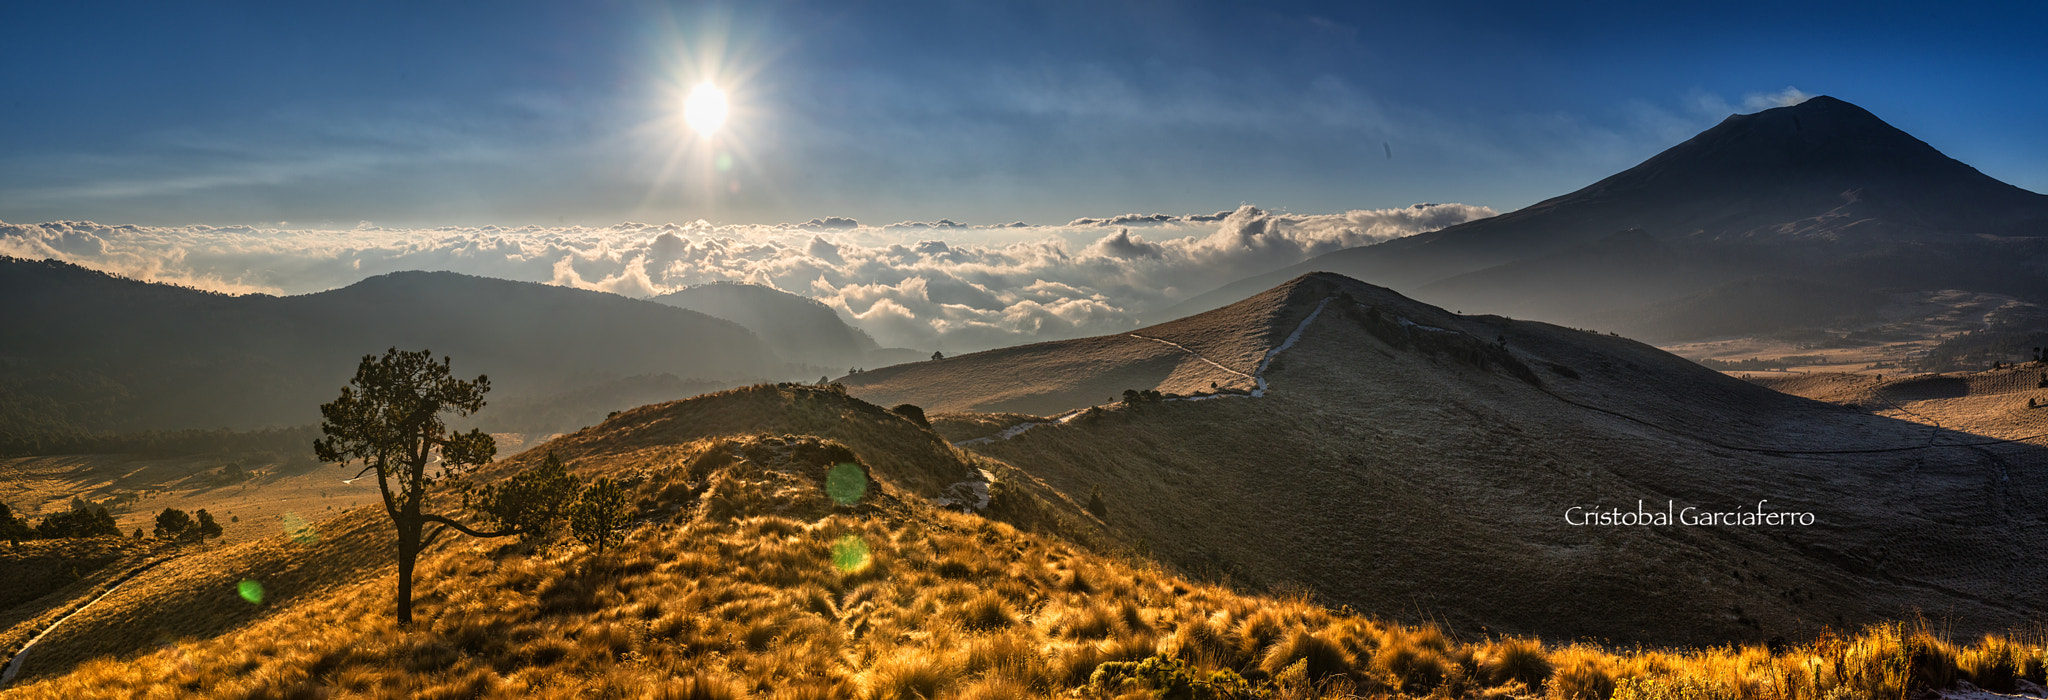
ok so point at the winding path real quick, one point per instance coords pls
(14, 664)
(1258, 377)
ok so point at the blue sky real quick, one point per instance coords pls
(510, 113)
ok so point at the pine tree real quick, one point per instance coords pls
(172, 524)
(13, 527)
(207, 527)
(532, 502)
(600, 515)
(389, 419)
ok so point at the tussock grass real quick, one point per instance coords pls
(733, 587)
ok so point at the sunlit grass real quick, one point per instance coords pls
(744, 581)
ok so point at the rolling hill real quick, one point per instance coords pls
(94, 352)
(1408, 461)
(1819, 194)
(802, 329)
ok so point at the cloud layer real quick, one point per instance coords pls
(936, 284)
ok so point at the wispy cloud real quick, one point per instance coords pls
(915, 284)
(1759, 101)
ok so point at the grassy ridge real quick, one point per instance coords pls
(893, 599)
(946, 606)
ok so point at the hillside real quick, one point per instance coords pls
(92, 352)
(742, 579)
(1818, 194)
(2009, 403)
(802, 329)
(1214, 352)
(1414, 463)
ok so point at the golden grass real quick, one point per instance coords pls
(951, 606)
(745, 592)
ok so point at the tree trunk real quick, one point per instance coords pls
(408, 553)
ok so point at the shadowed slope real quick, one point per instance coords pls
(800, 328)
(1410, 461)
(95, 352)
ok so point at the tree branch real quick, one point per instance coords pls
(465, 529)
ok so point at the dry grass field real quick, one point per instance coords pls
(743, 580)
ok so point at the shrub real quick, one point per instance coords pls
(911, 412)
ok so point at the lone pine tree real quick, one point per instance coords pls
(389, 419)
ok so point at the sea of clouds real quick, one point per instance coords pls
(937, 284)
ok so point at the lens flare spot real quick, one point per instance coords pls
(299, 530)
(846, 483)
(723, 162)
(850, 554)
(251, 591)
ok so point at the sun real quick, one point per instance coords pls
(704, 109)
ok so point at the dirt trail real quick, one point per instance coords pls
(1196, 355)
(14, 664)
(1258, 378)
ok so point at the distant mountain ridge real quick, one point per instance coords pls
(101, 352)
(1822, 191)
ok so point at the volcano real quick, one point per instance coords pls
(1817, 201)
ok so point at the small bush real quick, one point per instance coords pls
(913, 413)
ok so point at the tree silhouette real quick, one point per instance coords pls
(78, 522)
(172, 523)
(206, 527)
(13, 527)
(389, 417)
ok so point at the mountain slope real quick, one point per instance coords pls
(1206, 353)
(804, 330)
(1408, 461)
(93, 351)
(1822, 189)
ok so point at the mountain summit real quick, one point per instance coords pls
(1822, 192)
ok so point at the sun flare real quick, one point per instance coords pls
(704, 109)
